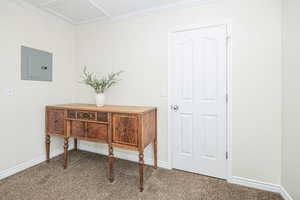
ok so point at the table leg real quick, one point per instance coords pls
(47, 148)
(111, 164)
(141, 166)
(75, 144)
(155, 153)
(66, 147)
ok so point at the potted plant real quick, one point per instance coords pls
(100, 85)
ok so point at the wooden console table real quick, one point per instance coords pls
(127, 127)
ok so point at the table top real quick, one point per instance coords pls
(105, 108)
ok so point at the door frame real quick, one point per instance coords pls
(228, 25)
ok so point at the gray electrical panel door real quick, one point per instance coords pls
(36, 64)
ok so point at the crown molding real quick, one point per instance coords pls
(59, 15)
(144, 12)
(93, 20)
(44, 12)
(100, 8)
(48, 2)
(109, 18)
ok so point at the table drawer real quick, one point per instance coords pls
(71, 114)
(78, 129)
(55, 121)
(88, 115)
(96, 131)
(102, 116)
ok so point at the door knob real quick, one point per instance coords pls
(174, 108)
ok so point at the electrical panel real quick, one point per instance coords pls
(36, 65)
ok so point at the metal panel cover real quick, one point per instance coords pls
(36, 64)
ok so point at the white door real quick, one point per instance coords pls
(198, 100)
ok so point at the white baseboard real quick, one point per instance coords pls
(285, 195)
(261, 186)
(122, 155)
(255, 184)
(20, 167)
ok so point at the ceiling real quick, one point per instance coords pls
(85, 11)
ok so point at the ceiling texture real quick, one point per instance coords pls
(85, 11)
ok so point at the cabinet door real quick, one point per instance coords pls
(125, 129)
(97, 132)
(77, 129)
(55, 119)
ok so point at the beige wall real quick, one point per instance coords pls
(22, 115)
(291, 99)
(139, 46)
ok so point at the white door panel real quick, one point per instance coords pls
(198, 87)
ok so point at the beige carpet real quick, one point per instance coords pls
(86, 179)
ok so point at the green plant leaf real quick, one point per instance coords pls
(102, 84)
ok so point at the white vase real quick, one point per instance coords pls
(100, 99)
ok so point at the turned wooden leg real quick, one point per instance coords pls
(48, 148)
(66, 147)
(155, 153)
(75, 144)
(111, 164)
(141, 166)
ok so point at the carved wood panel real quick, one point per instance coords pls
(55, 121)
(102, 116)
(86, 115)
(97, 131)
(78, 129)
(72, 114)
(125, 129)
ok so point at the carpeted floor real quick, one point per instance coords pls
(86, 179)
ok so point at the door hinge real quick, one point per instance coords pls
(226, 155)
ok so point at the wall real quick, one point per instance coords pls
(22, 115)
(139, 46)
(291, 98)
